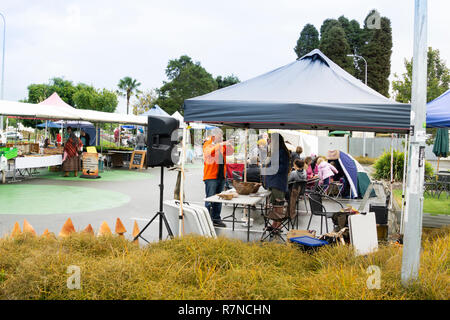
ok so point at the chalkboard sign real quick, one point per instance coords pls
(137, 159)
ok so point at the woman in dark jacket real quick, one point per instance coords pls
(276, 182)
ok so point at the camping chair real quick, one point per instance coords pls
(334, 190)
(282, 214)
(296, 192)
(318, 209)
(312, 185)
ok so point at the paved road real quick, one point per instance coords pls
(127, 198)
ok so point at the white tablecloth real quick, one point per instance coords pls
(38, 162)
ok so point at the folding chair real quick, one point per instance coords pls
(296, 192)
(430, 186)
(312, 185)
(318, 209)
(334, 190)
(443, 183)
(276, 213)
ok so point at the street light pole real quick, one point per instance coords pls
(364, 133)
(3, 66)
(416, 167)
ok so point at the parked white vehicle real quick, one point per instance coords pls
(10, 135)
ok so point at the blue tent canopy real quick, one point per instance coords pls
(310, 93)
(88, 127)
(438, 111)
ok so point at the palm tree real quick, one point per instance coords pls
(127, 88)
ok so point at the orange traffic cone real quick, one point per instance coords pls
(89, 230)
(47, 234)
(104, 229)
(120, 228)
(27, 228)
(16, 230)
(67, 228)
(135, 231)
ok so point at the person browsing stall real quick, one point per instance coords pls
(141, 141)
(72, 150)
(326, 171)
(85, 138)
(275, 175)
(215, 151)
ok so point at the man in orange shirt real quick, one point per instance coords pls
(214, 170)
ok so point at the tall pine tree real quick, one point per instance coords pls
(308, 40)
(334, 45)
(377, 51)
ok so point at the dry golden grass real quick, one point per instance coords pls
(201, 268)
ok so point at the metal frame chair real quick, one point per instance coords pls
(430, 186)
(318, 209)
(443, 184)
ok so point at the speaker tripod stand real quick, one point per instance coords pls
(160, 214)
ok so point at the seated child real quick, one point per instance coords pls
(299, 172)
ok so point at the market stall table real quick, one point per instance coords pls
(116, 158)
(27, 163)
(247, 201)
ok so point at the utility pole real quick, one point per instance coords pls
(3, 66)
(416, 168)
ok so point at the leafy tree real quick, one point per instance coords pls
(226, 81)
(438, 78)
(145, 101)
(334, 45)
(353, 33)
(90, 98)
(39, 92)
(186, 80)
(308, 40)
(377, 51)
(127, 88)
(328, 24)
(81, 96)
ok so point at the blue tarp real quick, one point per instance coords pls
(310, 93)
(438, 111)
(88, 127)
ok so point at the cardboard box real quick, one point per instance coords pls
(298, 233)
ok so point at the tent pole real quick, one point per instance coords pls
(392, 170)
(405, 154)
(96, 134)
(245, 155)
(183, 153)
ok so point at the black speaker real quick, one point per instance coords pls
(162, 137)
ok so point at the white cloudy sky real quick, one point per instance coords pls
(98, 42)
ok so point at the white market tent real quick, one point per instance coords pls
(54, 108)
(192, 125)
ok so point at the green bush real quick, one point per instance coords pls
(383, 166)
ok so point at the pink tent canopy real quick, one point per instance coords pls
(55, 100)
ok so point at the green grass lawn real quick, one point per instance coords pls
(431, 204)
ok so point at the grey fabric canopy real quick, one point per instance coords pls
(310, 93)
